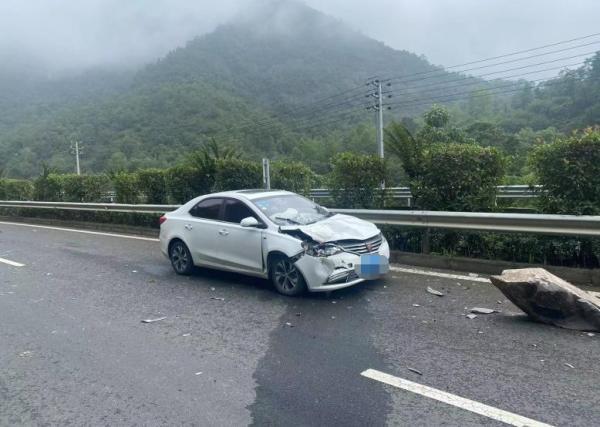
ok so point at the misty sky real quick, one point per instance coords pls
(75, 34)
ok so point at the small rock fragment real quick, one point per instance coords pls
(569, 365)
(416, 305)
(288, 324)
(333, 317)
(186, 335)
(590, 334)
(434, 292)
(480, 310)
(218, 298)
(416, 371)
(198, 373)
(212, 289)
(471, 316)
(154, 320)
(473, 275)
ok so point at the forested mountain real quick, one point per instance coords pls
(245, 84)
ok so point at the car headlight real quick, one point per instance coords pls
(321, 250)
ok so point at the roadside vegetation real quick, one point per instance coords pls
(443, 164)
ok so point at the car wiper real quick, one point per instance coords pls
(289, 220)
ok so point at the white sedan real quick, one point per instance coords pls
(278, 235)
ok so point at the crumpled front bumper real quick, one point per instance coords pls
(323, 274)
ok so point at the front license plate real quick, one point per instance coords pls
(372, 266)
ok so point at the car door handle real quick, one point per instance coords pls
(223, 232)
(188, 226)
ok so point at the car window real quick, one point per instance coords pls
(207, 208)
(291, 209)
(235, 211)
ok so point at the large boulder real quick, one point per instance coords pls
(549, 299)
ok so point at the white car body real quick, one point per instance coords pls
(223, 245)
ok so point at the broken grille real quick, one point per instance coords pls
(361, 246)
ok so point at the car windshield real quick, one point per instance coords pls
(291, 209)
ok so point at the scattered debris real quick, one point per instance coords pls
(218, 298)
(480, 310)
(158, 319)
(416, 371)
(569, 365)
(416, 305)
(26, 353)
(549, 299)
(434, 292)
(471, 316)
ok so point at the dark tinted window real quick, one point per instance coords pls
(235, 211)
(208, 208)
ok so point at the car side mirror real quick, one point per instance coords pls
(249, 221)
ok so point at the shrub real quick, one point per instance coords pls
(292, 176)
(354, 180)
(152, 185)
(47, 187)
(458, 177)
(126, 187)
(235, 174)
(16, 189)
(569, 170)
(83, 188)
(185, 182)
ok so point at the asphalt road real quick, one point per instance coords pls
(73, 349)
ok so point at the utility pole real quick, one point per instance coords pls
(76, 150)
(378, 107)
(380, 120)
(266, 174)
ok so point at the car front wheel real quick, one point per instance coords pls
(286, 278)
(181, 258)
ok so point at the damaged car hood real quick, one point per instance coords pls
(336, 227)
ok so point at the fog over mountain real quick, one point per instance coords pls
(69, 35)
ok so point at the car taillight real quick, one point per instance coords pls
(162, 219)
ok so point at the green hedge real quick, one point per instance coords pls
(458, 177)
(126, 187)
(292, 176)
(82, 188)
(16, 189)
(569, 170)
(185, 182)
(152, 185)
(235, 174)
(354, 179)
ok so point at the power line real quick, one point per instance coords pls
(444, 69)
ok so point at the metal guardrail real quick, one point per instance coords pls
(504, 192)
(569, 225)
(97, 207)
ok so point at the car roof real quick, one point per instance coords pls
(251, 194)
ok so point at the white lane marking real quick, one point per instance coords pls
(75, 230)
(436, 274)
(13, 263)
(454, 400)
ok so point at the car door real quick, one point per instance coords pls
(241, 247)
(201, 230)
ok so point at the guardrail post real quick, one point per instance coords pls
(426, 241)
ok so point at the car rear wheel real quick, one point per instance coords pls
(286, 278)
(181, 258)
